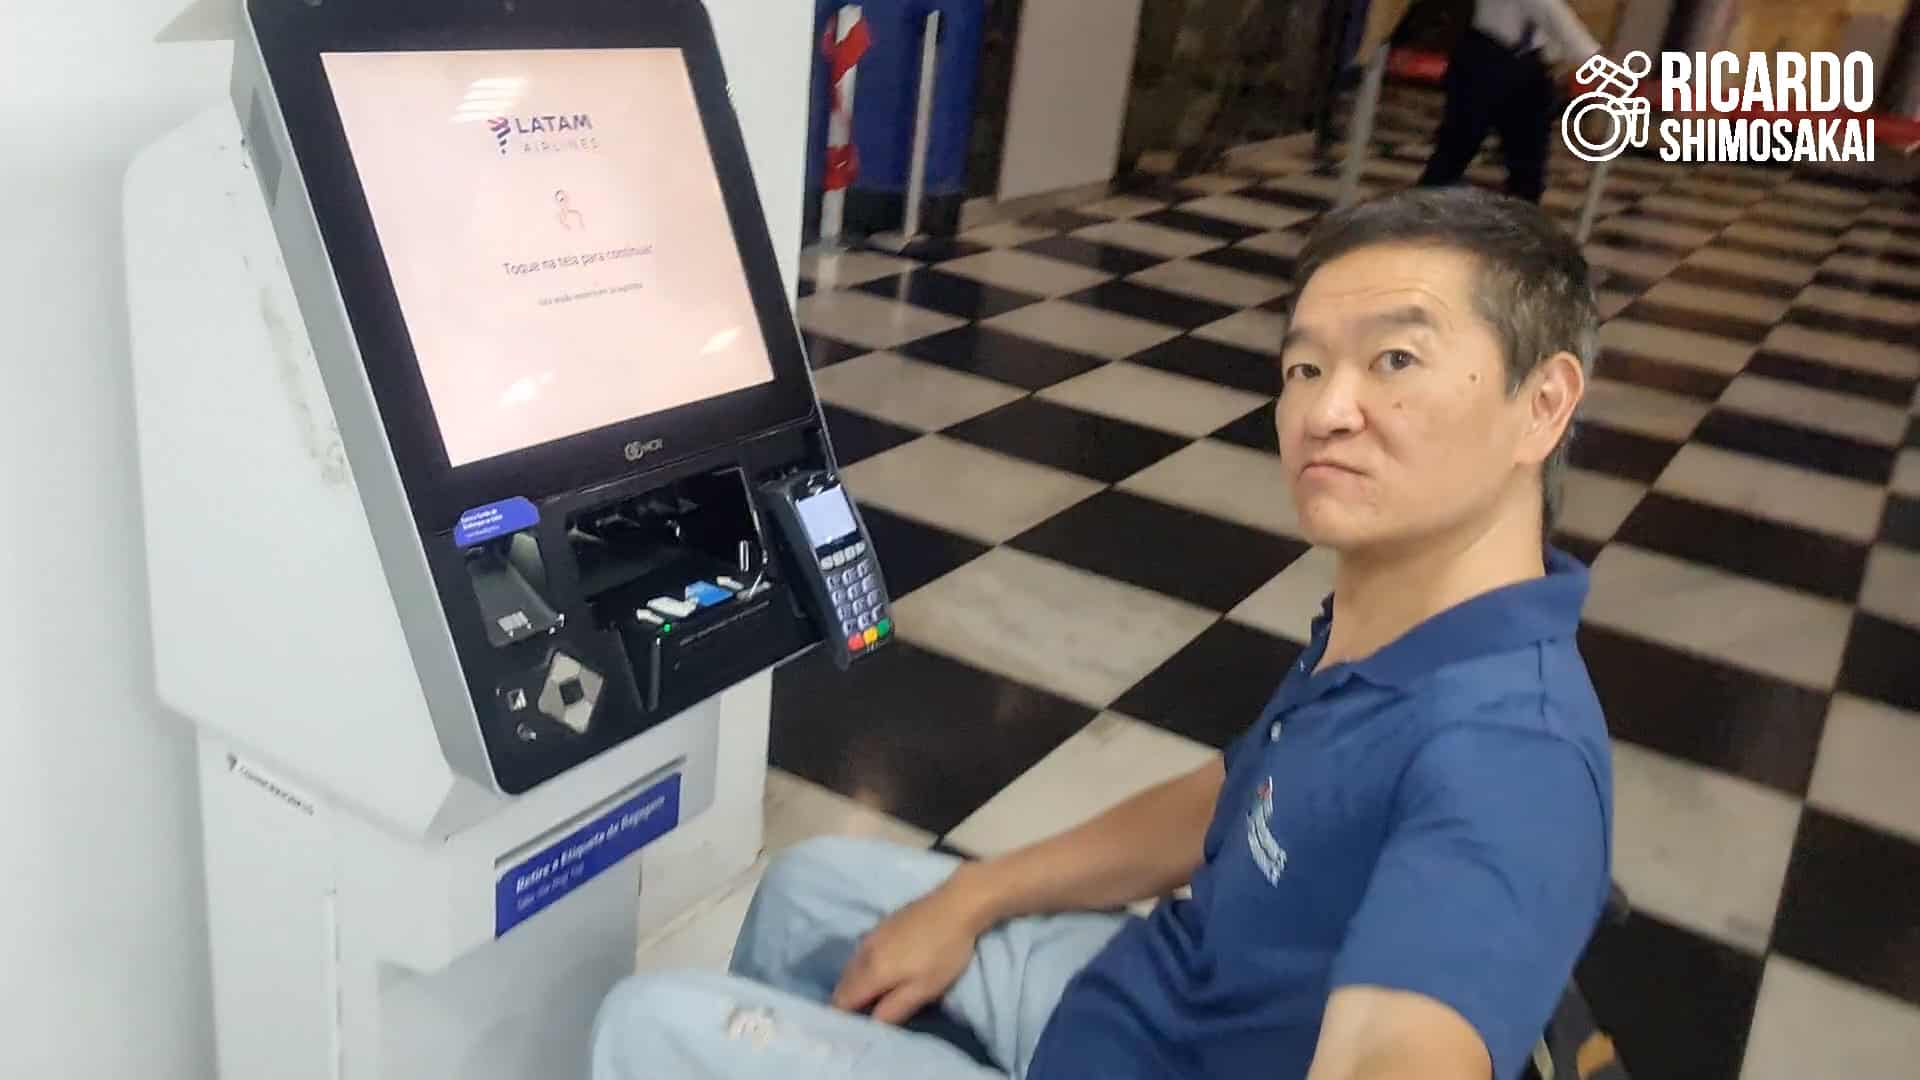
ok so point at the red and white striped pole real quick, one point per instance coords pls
(843, 45)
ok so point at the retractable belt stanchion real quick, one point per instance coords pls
(922, 140)
(1360, 131)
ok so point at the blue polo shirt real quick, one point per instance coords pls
(1433, 818)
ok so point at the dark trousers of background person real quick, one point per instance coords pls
(1492, 88)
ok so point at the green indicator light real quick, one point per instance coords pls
(666, 628)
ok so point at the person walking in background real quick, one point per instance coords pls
(1503, 77)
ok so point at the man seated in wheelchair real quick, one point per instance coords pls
(1395, 868)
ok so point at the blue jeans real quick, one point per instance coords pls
(768, 1017)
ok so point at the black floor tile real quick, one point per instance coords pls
(950, 294)
(1103, 257)
(826, 352)
(1007, 357)
(1213, 690)
(1770, 213)
(1620, 453)
(1676, 217)
(1216, 362)
(1154, 305)
(912, 554)
(1726, 326)
(1145, 542)
(1796, 446)
(1858, 326)
(1821, 376)
(1256, 431)
(1722, 279)
(1901, 522)
(1707, 712)
(918, 736)
(1298, 200)
(1200, 223)
(1893, 290)
(1279, 267)
(1897, 258)
(1578, 546)
(1768, 550)
(1660, 375)
(1879, 662)
(1611, 237)
(939, 249)
(1913, 432)
(1677, 1006)
(857, 436)
(1063, 220)
(1104, 448)
(1851, 905)
(1761, 247)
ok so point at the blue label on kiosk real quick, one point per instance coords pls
(535, 883)
(483, 523)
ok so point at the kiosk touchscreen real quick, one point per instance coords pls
(483, 484)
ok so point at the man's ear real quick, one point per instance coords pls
(1552, 393)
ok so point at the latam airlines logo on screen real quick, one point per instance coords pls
(553, 134)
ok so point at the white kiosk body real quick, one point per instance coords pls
(482, 479)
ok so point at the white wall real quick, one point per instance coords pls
(1068, 99)
(102, 968)
(102, 972)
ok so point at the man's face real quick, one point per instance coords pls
(1395, 422)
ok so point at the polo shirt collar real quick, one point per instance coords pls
(1511, 617)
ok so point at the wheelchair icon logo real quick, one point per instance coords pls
(1610, 110)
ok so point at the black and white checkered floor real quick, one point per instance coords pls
(1061, 433)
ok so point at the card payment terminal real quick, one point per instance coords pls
(841, 577)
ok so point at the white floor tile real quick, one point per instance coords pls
(1214, 183)
(1023, 271)
(1846, 415)
(1110, 760)
(702, 938)
(1639, 264)
(1754, 625)
(798, 809)
(962, 488)
(1859, 305)
(909, 392)
(1836, 505)
(845, 269)
(1865, 770)
(1005, 234)
(1799, 215)
(1244, 486)
(1288, 604)
(1235, 288)
(1847, 351)
(1154, 398)
(1825, 194)
(1688, 348)
(1703, 209)
(1597, 504)
(1797, 241)
(869, 321)
(1868, 268)
(1658, 231)
(1906, 468)
(1254, 329)
(1808, 1024)
(1253, 213)
(1700, 848)
(1083, 328)
(1892, 587)
(1080, 635)
(1283, 243)
(1747, 264)
(1713, 301)
(1875, 238)
(1122, 206)
(1144, 236)
(1642, 409)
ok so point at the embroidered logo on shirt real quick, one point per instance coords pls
(1267, 853)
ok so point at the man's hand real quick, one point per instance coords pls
(912, 958)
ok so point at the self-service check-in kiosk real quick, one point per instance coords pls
(483, 477)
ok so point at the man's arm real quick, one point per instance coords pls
(1486, 890)
(1144, 847)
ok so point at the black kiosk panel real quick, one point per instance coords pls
(553, 259)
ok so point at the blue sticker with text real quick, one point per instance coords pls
(536, 883)
(483, 523)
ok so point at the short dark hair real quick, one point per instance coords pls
(1534, 286)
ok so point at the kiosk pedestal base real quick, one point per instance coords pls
(344, 951)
